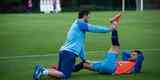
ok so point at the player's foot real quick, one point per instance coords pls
(37, 72)
(116, 18)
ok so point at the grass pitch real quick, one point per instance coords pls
(28, 39)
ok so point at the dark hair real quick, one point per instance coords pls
(139, 61)
(137, 51)
(83, 12)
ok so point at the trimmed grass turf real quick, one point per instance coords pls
(37, 34)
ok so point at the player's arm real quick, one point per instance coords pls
(103, 29)
(93, 28)
(98, 29)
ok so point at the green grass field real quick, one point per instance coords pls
(28, 39)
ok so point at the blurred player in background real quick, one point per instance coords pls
(57, 6)
(48, 6)
(28, 5)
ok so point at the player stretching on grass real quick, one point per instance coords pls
(73, 47)
(131, 61)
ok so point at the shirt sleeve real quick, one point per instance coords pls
(83, 26)
(98, 29)
(92, 28)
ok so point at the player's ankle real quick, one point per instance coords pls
(45, 72)
(115, 25)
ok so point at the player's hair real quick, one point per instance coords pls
(83, 12)
(137, 51)
(139, 61)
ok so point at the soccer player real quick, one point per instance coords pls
(28, 5)
(73, 47)
(131, 60)
(56, 6)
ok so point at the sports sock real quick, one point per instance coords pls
(115, 41)
(45, 72)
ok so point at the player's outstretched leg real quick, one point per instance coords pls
(115, 41)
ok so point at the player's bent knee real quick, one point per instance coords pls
(115, 49)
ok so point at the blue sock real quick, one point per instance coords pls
(115, 41)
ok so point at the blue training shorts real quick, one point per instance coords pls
(108, 65)
(66, 63)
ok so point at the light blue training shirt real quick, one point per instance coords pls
(75, 41)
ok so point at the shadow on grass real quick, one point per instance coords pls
(89, 75)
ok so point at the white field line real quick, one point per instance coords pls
(55, 54)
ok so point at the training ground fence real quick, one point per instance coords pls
(74, 5)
